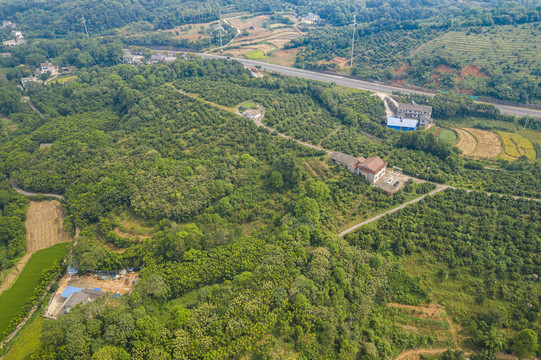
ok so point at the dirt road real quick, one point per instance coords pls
(377, 217)
(259, 123)
(28, 193)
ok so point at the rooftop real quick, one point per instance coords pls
(343, 159)
(373, 164)
(414, 107)
(395, 121)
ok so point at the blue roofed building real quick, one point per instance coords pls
(402, 124)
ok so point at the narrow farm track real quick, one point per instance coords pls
(28, 193)
(258, 123)
(377, 217)
(416, 353)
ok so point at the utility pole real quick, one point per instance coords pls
(353, 38)
(86, 29)
(525, 123)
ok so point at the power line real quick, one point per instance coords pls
(353, 38)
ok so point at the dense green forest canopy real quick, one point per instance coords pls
(243, 259)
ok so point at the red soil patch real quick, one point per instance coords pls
(402, 69)
(474, 71)
(444, 68)
(399, 82)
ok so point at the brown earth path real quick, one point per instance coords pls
(44, 228)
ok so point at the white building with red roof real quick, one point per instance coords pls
(372, 168)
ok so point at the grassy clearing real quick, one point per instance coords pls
(249, 105)
(517, 145)
(131, 224)
(255, 54)
(13, 299)
(532, 135)
(516, 47)
(472, 122)
(28, 341)
(63, 79)
(452, 293)
(447, 136)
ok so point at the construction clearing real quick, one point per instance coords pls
(91, 286)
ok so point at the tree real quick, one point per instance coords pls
(276, 180)
(307, 212)
(525, 343)
(10, 100)
(317, 190)
(111, 353)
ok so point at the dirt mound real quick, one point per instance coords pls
(444, 68)
(402, 69)
(474, 71)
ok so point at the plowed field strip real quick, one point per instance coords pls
(489, 146)
(466, 142)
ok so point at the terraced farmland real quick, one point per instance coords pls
(517, 145)
(479, 143)
(500, 47)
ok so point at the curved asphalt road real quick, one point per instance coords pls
(358, 84)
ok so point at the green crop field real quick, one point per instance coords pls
(255, 54)
(517, 145)
(447, 135)
(515, 47)
(532, 135)
(63, 79)
(13, 299)
(27, 342)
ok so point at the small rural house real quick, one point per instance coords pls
(131, 59)
(402, 124)
(372, 168)
(422, 113)
(25, 80)
(75, 296)
(312, 18)
(48, 67)
(8, 24)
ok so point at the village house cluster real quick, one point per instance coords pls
(138, 59)
(410, 117)
(45, 68)
(18, 37)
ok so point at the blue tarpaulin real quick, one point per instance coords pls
(70, 290)
(97, 289)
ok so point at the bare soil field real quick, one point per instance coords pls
(432, 311)
(284, 57)
(467, 143)
(44, 228)
(44, 225)
(489, 143)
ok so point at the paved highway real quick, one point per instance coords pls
(358, 84)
